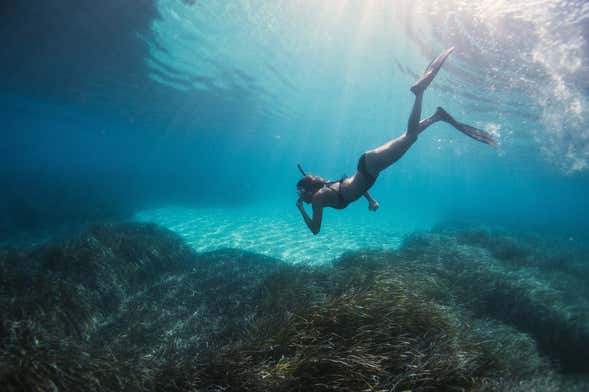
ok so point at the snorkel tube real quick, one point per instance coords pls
(300, 190)
(301, 169)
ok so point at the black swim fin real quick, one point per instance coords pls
(431, 71)
(475, 133)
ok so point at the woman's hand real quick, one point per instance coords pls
(300, 203)
(372, 204)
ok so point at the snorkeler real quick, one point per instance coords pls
(321, 193)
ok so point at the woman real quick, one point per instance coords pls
(338, 194)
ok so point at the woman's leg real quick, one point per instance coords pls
(382, 157)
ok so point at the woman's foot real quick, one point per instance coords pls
(443, 115)
(431, 72)
(475, 133)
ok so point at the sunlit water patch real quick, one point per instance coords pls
(527, 60)
(280, 235)
(519, 64)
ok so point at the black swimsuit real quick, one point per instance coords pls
(369, 178)
(362, 169)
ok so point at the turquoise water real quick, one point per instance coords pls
(193, 104)
(275, 234)
(120, 120)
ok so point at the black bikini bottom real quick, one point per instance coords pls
(369, 178)
(362, 169)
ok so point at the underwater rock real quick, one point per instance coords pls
(207, 307)
(72, 287)
(131, 292)
(131, 307)
(518, 290)
(386, 338)
(53, 299)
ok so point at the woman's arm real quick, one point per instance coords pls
(314, 224)
(372, 204)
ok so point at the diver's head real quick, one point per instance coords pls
(308, 186)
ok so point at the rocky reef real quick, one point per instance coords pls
(131, 307)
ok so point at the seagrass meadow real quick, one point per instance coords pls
(131, 307)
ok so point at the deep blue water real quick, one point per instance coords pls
(110, 108)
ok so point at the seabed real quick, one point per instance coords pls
(133, 307)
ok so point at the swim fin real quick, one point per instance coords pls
(431, 71)
(475, 133)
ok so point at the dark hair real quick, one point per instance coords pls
(311, 183)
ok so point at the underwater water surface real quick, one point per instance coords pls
(195, 104)
(149, 237)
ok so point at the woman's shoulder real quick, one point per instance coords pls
(323, 195)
